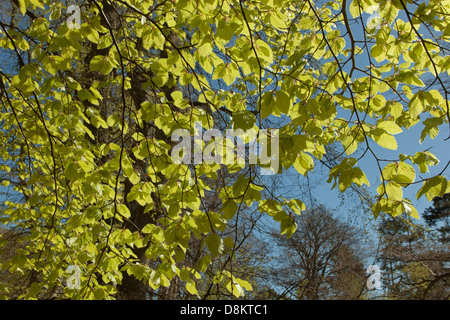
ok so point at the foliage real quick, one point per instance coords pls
(88, 112)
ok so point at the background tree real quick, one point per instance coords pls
(320, 261)
(438, 217)
(414, 264)
(89, 114)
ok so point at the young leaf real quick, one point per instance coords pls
(215, 244)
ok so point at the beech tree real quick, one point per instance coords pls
(439, 216)
(414, 261)
(320, 261)
(94, 92)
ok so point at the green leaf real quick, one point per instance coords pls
(149, 228)
(228, 242)
(394, 191)
(297, 206)
(234, 288)
(264, 50)
(359, 177)
(91, 34)
(134, 178)
(431, 128)
(215, 244)
(71, 171)
(267, 105)
(433, 187)
(401, 173)
(190, 287)
(288, 226)
(377, 52)
(389, 126)
(244, 120)
(227, 72)
(22, 6)
(225, 31)
(278, 20)
(303, 163)
(415, 105)
(203, 263)
(99, 294)
(229, 209)
(102, 64)
(24, 84)
(240, 186)
(410, 210)
(205, 49)
(354, 8)
(385, 140)
(123, 210)
(282, 101)
(245, 284)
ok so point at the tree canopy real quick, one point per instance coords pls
(93, 91)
